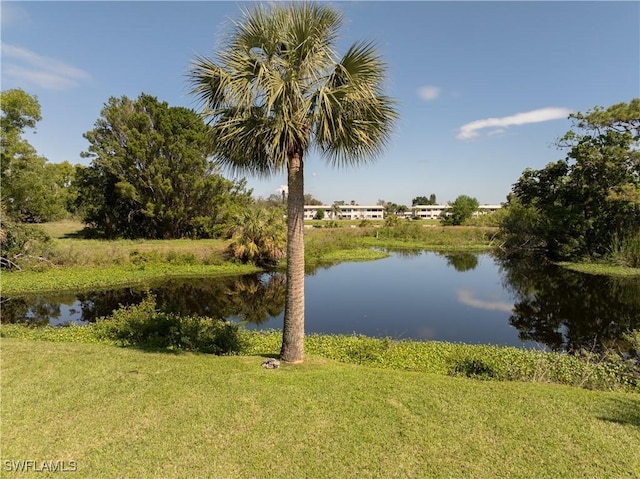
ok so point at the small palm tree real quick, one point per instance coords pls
(335, 211)
(258, 236)
(276, 90)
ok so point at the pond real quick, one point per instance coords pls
(470, 298)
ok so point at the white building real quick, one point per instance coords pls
(486, 209)
(428, 212)
(357, 212)
(432, 212)
(347, 212)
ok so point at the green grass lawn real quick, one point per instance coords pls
(603, 269)
(122, 412)
(93, 278)
(62, 228)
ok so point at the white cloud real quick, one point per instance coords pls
(27, 66)
(467, 297)
(283, 189)
(13, 15)
(499, 131)
(429, 92)
(470, 130)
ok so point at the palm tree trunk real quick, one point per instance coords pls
(293, 330)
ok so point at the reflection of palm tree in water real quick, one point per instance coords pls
(257, 299)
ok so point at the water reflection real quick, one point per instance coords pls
(459, 297)
(38, 311)
(468, 297)
(462, 261)
(566, 310)
(251, 298)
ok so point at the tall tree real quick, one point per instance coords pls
(583, 204)
(276, 89)
(29, 192)
(150, 174)
(423, 200)
(310, 200)
(336, 211)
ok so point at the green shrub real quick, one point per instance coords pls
(626, 251)
(207, 335)
(141, 258)
(142, 325)
(23, 245)
(259, 236)
(473, 368)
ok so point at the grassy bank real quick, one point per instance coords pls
(602, 269)
(94, 278)
(348, 244)
(133, 326)
(72, 263)
(127, 413)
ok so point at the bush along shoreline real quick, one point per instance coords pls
(142, 326)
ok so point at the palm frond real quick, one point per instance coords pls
(362, 67)
(277, 87)
(354, 120)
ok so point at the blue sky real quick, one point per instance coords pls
(483, 88)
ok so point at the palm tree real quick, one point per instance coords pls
(257, 235)
(278, 89)
(335, 211)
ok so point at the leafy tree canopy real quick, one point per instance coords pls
(310, 200)
(391, 208)
(19, 111)
(581, 205)
(31, 190)
(423, 200)
(150, 174)
(460, 210)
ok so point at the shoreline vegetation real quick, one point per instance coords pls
(83, 264)
(74, 264)
(99, 264)
(476, 361)
(604, 269)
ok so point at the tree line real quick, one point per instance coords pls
(150, 173)
(586, 205)
(149, 176)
